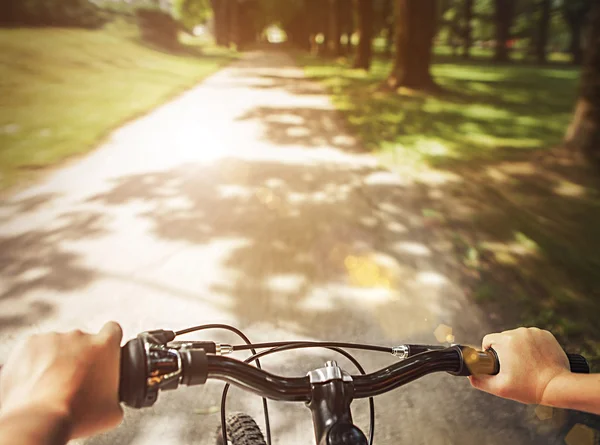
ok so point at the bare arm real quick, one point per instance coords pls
(58, 387)
(535, 370)
(35, 425)
(574, 391)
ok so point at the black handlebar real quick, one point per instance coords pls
(147, 367)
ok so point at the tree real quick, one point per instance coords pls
(415, 29)
(365, 30)
(467, 28)
(542, 35)
(388, 20)
(348, 23)
(503, 17)
(584, 132)
(335, 26)
(191, 12)
(575, 12)
(222, 21)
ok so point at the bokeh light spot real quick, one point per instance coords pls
(366, 271)
(580, 435)
(443, 334)
(544, 412)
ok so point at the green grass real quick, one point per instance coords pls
(486, 107)
(523, 217)
(63, 90)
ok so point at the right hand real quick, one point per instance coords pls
(530, 359)
(73, 375)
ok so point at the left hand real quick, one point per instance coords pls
(75, 375)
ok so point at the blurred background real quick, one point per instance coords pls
(390, 147)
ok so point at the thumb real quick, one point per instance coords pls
(111, 333)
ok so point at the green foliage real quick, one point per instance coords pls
(71, 13)
(192, 12)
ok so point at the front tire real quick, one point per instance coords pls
(241, 430)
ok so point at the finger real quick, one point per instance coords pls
(487, 383)
(489, 340)
(111, 332)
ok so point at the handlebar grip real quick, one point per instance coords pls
(132, 384)
(578, 364)
(475, 362)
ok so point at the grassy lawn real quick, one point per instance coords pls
(523, 218)
(63, 90)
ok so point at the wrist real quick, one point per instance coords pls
(56, 409)
(40, 423)
(557, 389)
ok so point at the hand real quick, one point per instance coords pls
(72, 374)
(530, 359)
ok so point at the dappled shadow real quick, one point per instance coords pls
(529, 238)
(306, 127)
(331, 250)
(296, 85)
(296, 226)
(484, 108)
(310, 243)
(39, 260)
(524, 226)
(29, 204)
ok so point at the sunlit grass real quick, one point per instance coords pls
(485, 107)
(63, 90)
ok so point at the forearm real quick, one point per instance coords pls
(574, 391)
(32, 425)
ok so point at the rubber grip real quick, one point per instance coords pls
(578, 364)
(132, 383)
(475, 362)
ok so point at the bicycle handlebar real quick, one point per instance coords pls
(149, 363)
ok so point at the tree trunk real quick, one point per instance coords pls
(388, 19)
(347, 14)
(326, 31)
(365, 29)
(542, 36)
(575, 43)
(247, 23)
(221, 21)
(312, 12)
(584, 132)
(503, 16)
(415, 29)
(574, 13)
(234, 21)
(467, 41)
(335, 25)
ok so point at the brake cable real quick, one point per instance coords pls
(286, 346)
(247, 340)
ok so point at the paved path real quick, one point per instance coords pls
(245, 201)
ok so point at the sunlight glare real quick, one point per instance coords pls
(569, 189)
(431, 278)
(412, 248)
(285, 283)
(371, 270)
